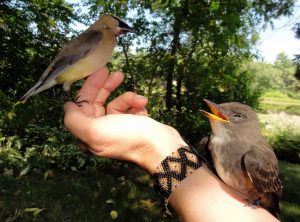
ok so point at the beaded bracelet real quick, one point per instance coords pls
(172, 170)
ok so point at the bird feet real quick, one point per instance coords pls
(253, 203)
(79, 102)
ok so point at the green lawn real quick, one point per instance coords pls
(283, 131)
(89, 195)
(280, 103)
(290, 204)
(95, 195)
(121, 192)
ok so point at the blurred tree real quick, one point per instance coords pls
(188, 50)
(278, 76)
(31, 33)
(287, 70)
(297, 57)
(262, 73)
(183, 51)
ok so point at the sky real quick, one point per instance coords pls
(281, 38)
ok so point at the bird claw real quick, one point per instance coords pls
(253, 203)
(79, 102)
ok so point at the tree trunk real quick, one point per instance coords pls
(174, 49)
(178, 89)
(181, 75)
(131, 81)
(171, 63)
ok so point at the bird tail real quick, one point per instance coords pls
(30, 93)
(37, 88)
(271, 204)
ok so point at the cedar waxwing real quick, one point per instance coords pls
(241, 156)
(84, 55)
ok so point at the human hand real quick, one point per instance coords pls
(122, 129)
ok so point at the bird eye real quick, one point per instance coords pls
(236, 116)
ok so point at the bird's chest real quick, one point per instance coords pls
(227, 162)
(97, 59)
(100, 56)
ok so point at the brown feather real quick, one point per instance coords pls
(242, 157)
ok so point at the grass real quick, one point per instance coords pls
(282, 132)
(277, 106)
(95, 195)
(121, 192)
(89, 195)
(289, 212)
(290, 205)
(280, 123)
(279, 102)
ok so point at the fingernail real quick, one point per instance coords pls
(141, 97)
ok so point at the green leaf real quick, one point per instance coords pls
(24, 171)
(114, 214)
(35, 211)
(110, 201)
(215, 6)
(48, 173)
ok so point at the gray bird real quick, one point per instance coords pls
(242, 157)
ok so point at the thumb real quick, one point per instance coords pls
(71, 107)
(75, 121)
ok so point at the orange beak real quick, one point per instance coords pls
(216, 113)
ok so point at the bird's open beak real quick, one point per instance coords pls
(216, 114)
(124, 28)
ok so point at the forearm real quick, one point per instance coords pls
(203, 197)
(130, 135)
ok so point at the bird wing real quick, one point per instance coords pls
(78, 49)
(262, 168)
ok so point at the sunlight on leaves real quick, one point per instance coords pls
(24, 171)
(48, 173)
(113, 214)
(35, 211)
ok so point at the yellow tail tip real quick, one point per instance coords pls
(20, 102)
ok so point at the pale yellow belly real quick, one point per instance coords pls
(88, 65)
(80, 70)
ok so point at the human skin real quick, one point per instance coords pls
(123, 130)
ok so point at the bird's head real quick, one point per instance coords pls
(232, 118)
(116, 24)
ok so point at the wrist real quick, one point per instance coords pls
(162, 142)
(172, 171)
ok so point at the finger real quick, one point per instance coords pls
(93, 109)
(75, 121)
(138, 111)
(126, 101)
(92, 84)
(113, 81)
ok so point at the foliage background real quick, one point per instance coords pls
(183, 51)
